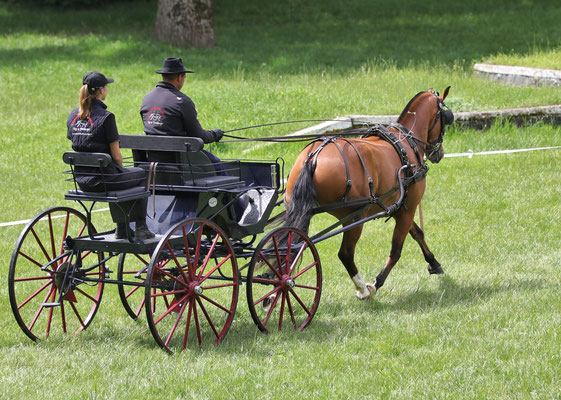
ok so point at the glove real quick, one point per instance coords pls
(218, 133)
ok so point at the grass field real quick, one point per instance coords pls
(486, 329)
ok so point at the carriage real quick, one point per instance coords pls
(207, 219)
(187, 279)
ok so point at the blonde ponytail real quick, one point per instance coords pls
(85, 102)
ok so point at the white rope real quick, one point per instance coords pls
(25, 221)
(471, 153)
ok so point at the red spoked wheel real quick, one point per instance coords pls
(192, 287)
(132, 268)
(41, 268)
(284, 280)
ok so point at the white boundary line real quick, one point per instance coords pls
(468, 154)
(25, 221)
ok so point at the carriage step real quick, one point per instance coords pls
(50, 305)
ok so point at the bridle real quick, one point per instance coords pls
(446, 117)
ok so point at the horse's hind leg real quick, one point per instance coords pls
(434, 266)
(347, 255)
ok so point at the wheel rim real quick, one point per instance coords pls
(191, 286)
(132, 267)
(42, 243)
(284, 281)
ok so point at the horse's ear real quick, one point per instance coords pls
(445, 92)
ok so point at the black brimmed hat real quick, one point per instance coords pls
(173, 66)
(96, 80)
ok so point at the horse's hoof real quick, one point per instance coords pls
(365, 295)
(437, 270)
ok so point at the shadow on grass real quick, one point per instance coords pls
(295, 36)
(449, 294)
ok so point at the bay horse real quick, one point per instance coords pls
(339, 170)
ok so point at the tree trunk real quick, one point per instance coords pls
(185, 23)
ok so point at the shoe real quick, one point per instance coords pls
(142, 232)
(121, 231)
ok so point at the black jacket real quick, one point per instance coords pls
(167, 111)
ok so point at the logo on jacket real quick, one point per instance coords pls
(154, 116)
(82, 126)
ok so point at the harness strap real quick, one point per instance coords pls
(314, 155)
(373, 198)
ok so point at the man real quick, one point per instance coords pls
(167, 111)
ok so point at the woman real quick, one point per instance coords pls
(93, 129)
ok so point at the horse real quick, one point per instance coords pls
(340, 170)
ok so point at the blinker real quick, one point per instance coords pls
(447, 117)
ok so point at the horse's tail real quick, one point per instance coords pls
(299, 210)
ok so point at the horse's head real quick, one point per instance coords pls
(428, 110)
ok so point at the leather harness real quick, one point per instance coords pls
(413, 172)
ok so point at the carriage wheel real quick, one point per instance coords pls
(191, 286)
(284, 280)
(37, 269)
(132, 270)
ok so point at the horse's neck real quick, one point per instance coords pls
(417, 119)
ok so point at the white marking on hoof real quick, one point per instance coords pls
(362, 289)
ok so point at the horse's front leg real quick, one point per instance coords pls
(403, 223)
(347, 255)
(434, 266)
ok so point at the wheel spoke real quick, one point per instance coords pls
(188, 324)
(266, 260)
(197, 324)
(281, 314)
(177, 263)
(219, 286)
(300, 302)
(291, 311)
(296, 258)
(214, 303)
(207, 258)
(277, 254)
(52, 236)
(169, 310)
(203, 309)
(273, 305)
(275, 290)
(31, 259)
(65, 231)
(87, 295)
(77, 313)
(305, 269)
(174, 327)
(288, 247)
(215, 268)
(40, 243)
(34, 294)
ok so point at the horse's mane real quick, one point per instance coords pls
(404, 112)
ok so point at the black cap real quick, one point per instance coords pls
(96, 80)
(173, 66)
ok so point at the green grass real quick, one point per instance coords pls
(487, 329)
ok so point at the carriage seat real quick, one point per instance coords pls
(190, 167)
(99, 160)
